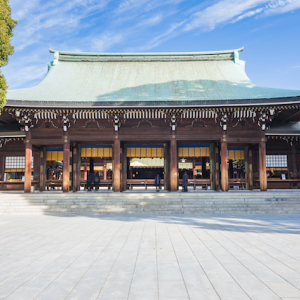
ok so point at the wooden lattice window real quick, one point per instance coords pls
(278, 162)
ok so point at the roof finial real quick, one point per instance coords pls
(56, 57)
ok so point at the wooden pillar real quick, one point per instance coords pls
(123, 167)
(246, 150)
(194, 168)
(85, 171)
(116, 170)
(224, 168)
(295, 161)
(262, 166)
(76, 167)
(250, 163)
(249, 167)
(104, 172)
(66, 164)
(78, 181)
(166, 167)
(28, 163)
(71, 169)
(43, 167)
(173, 165)
(214, 167)
(217, 169)
(2, 167)
(36, 165)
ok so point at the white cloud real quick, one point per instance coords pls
(130, 5)
(106, 41)
(280, 7)
(248, 14)
(226, 11)
(221, 12)
(42, 19)
(153, 20)
(171, 32)
(136, 6)
(27, 75)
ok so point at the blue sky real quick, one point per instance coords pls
(269, 30)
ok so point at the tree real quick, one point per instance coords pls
(7, 25)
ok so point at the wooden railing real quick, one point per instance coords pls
(239, 182)
(16, 184)
(142, 182)
(107, 183)
(53, 183)
(278, 183)
(204, 183)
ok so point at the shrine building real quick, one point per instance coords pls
(131, 116)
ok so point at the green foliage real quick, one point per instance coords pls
(7, 25)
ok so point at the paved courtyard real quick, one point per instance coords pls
(150, 257)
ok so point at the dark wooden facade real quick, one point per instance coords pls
(218, 127)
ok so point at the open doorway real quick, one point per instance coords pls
(144, 163)
(194, 159)
(236, 167)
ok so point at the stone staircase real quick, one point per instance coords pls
(57, 203)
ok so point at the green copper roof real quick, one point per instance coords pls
(147, 79)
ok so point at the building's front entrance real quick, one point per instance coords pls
(144, 163)
(194, 159)
(97, 159)
(236, 168)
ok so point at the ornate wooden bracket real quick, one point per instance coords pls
(65, 121)
(173, 121)
(224, 120)
(265, 116)
(24, 118)
(116, 122)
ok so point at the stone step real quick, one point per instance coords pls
(151, 203)
(148, 207)
(150, 195)
(103, 199)
(146, 200)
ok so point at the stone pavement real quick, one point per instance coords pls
(144, 257)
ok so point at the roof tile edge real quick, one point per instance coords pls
(147, 54)
(155, 56)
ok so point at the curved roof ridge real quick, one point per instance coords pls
(147, 54)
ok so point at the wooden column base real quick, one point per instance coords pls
(76, 167)
(66, 166)
(262, 166)
(123, 167)
(173, 166)
(248, 167)
(224, 168)
(43, 176)
(2, 167)
(28, 163)
(116, 171)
